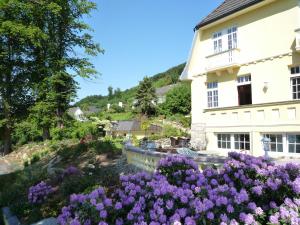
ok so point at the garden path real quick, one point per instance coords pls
(7, 167)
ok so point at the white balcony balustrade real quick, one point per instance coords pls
(226, 60)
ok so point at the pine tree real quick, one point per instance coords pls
(146, 97)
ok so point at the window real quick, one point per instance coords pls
(242, 141)
(244, 90)
(226, 39)
(275, 142)
(212, 94)
(295, 82)
(224, 141)
(232, 38)
(217, 37)
(293, 143)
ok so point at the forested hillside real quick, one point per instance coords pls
(168, 77)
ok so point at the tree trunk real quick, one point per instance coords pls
(7, 140)
(46, 133)
(60, 122)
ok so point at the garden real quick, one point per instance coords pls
(247, 190)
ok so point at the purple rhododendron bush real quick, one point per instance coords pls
(247, 190)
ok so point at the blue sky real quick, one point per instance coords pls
(141, 38)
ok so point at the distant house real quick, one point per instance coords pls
(91, 110)
(134, 128)
(81, 115)
(161, 93)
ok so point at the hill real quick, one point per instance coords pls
(168, 77)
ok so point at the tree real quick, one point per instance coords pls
(178, 100)
(146, 97)
(118, 93)
(18, 36)
(110, 92)
(39, 41)
(68, 32)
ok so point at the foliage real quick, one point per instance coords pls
(244, 192)
(25, 132)
(14, 188)
(116, 109)
(38, 60)
(178, 100)
(146, 97)
(169, 131)
(183, 120)
(168, 77)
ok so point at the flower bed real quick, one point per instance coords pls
(247, 190)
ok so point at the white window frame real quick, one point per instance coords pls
(242, 142)
(233, 141)
(244, 80)
(295, 74)
(295, 143)
(232, 35)
(224, 140)
(225, 40)
(212, 95)
(218, 42)
(276, 143)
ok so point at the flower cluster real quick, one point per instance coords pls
(39, 193)
(244, 191)
(71, 170)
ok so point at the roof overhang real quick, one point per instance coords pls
(237, 12)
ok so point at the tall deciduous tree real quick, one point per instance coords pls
(67, 32)
(17, 36)
(146, 97)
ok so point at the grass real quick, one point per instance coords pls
(14, 187)
(122, 116)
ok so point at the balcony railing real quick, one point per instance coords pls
(266, 114)
(226, 60)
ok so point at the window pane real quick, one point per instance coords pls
(247, 146)
(291, 148)
(247, 137)
(223, 144)
(273, 147)
(279, 138)
(291, 138)
(297, 148)
(219, 144)
(279, 148)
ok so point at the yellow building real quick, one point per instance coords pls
(245, 72)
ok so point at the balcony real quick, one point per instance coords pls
(297, 40)
(257, 115)
(227, 60)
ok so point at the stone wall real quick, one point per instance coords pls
(148, 160)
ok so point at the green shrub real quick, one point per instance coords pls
(178, 101)
(83, 129)
(25, 132)
(76, 184)
(35, 158)
(169, 131)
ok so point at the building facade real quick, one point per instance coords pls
(244, 66)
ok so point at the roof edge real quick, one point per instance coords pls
(200, 25)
